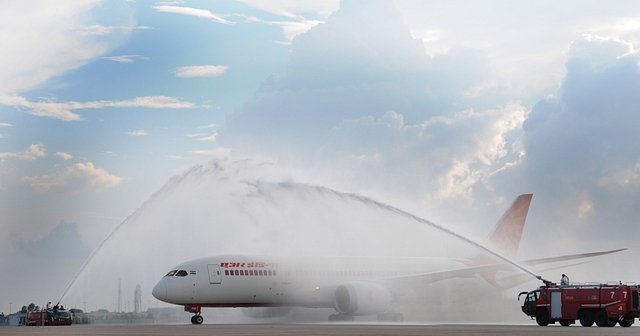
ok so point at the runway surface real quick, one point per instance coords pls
(316, 329)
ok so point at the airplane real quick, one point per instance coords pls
(352, 286)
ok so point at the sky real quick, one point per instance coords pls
(446, 109)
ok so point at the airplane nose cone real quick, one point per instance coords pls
(160, 291)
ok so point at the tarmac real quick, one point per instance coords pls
(315, 329)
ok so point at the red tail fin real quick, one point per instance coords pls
(505, 237)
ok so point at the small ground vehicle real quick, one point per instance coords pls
(49, 317)
(602, 304)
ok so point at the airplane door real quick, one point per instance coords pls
(215, 277)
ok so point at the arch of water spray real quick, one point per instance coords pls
(231, 206)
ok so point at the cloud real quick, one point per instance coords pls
(580, 157)
(294, 9)
(200, 71)
(2, 136)
(212, 137)
(363, 61)
(125, 58)
(449, 155)
(209, 126)
(599, 51)
(138, 133)
(290, 29)
(63, 111)
(103, 30)
(36, 50)
(80, 177)
(203, 13)
(220, 151)
(62, 242)
(64, 155)
(628, 177)
(35, 151)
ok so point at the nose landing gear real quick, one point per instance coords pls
(197, 319)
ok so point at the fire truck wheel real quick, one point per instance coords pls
(602, 320)
(586, 318)
(625, 323)
(542, 318)
(565, 323)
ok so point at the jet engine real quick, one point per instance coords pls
(359, 298)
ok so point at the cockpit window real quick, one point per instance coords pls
(171, 273)
(182, 273)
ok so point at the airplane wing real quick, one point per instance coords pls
(534, 262)
(400, 285)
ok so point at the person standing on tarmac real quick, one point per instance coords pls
(564, 281)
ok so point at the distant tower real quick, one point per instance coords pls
(137, 300)
(119, 296)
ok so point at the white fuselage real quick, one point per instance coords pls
(261, 281)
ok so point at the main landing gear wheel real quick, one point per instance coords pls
(197, 319)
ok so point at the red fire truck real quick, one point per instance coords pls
(604, 304)
(48, 317)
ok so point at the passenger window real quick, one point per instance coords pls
(269, 272)
(226, 272)
(182, 273)
(241, 272)
(260, 272)
(171, 273)
(237, 272)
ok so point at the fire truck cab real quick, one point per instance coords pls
(602, 304)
